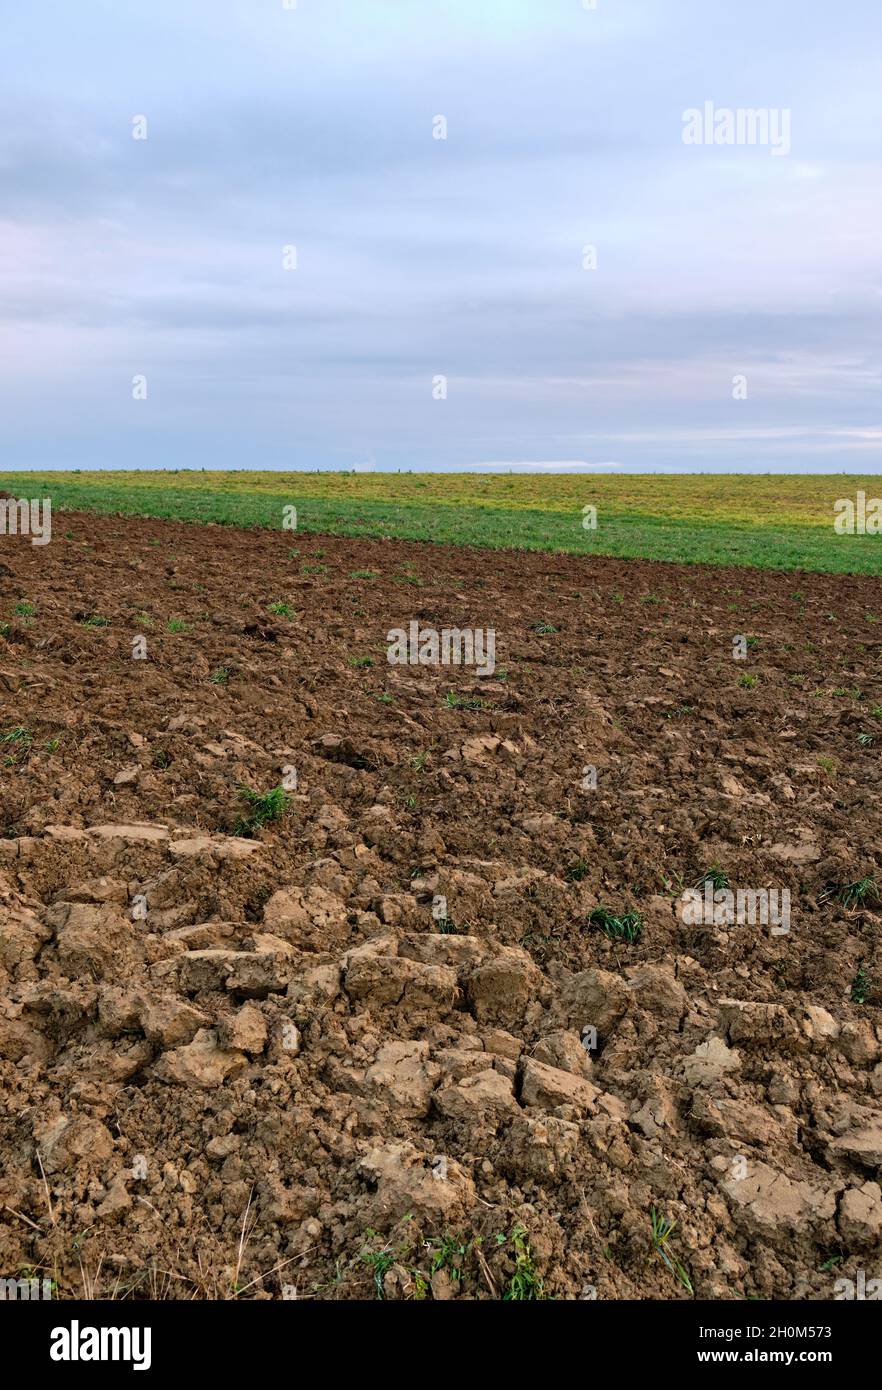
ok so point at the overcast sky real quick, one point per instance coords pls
(417, 258)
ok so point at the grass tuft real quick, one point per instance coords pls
(863, 891)
(662, 1230)
(625, 926)
(525, 1285)
(265, 807)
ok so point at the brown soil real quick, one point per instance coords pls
(285, 1074)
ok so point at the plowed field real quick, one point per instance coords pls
(253, 1060)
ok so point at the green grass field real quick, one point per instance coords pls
(774, 521)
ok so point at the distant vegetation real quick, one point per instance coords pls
(780, 521)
